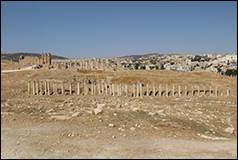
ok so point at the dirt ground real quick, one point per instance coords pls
(67, 126)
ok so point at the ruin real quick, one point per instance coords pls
(94, 87)
(86, 64)
(45, 59)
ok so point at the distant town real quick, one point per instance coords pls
(225, 64)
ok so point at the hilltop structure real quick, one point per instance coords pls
(43, 59)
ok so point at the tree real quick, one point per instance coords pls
(137, 65)
(231, 72)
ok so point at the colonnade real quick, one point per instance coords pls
(105, 87)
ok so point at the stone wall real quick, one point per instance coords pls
(28, 60)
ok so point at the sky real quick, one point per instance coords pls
(107, 29)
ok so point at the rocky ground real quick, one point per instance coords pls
(115, 127)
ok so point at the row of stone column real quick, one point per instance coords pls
(45, 58)
(103, 87)
(82, 64)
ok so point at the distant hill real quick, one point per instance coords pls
(161, 54)
(15, 56)
(142, 55)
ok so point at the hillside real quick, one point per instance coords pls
(15, 56)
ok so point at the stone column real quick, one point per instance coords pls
(173, 91)
(133, 90)
(113, 90)
(70, 88)
(86, 65)
(87, 88)
(179, 91)
(98, 87)
(91, 65)
(57, 88)
(110, 89)
(228, 92)
(50, 58)
(62, 88)
(37, 87)
(45, 87)
(185, 91)
(210, 91)
(105, 86)
(192, 90)
(94, 88)
(160, 90)
(147, 90)
(141, 91)
(53, 87)
(33, 88)
(126, 90)
(102, 86)
(118, 89)
(153, 90)
(40, 88)
(84, 88)
(46, 58)
(78, 88)
(43, 58)
(167, 90)
(137, 90)
(29, 87)
(48, 87)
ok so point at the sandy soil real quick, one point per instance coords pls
(151, 127)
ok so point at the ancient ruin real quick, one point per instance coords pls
(86, 64)
(105, 87)
(45, 59)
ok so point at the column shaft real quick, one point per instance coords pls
(45, 87)
(62, 88)
(141, 91)
(179, 91)
(113, 91)
(29, 87)
(48, 88)
(78, 88)
(147, 90)
(167, 90)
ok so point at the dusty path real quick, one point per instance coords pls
(18, 70)
(52, 140)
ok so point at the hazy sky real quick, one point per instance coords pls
(94, 29)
